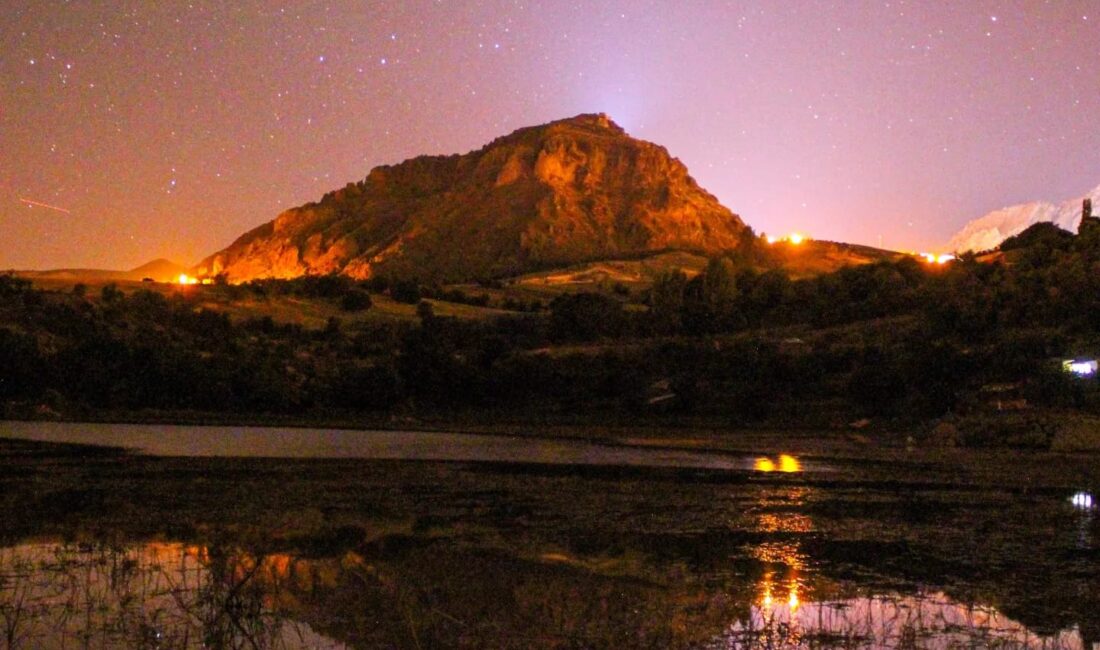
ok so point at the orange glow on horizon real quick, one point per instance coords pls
(186, 279)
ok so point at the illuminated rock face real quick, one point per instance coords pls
(574, 190)
(988, 232)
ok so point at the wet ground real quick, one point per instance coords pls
(782, 541)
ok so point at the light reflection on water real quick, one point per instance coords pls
(781, 619)
(156, 595)
(785, 611)
(170, 595)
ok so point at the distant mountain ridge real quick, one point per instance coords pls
(562, 193)
(159, 270)
(987, 232)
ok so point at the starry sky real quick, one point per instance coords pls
(131, 130)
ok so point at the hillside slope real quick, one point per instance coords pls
(159, 270)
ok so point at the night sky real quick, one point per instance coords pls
(166, 129)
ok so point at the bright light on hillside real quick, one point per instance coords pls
(795, 238)
(934, 258)
(186, 279)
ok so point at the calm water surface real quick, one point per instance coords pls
(206, 539)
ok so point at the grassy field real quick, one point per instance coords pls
(312, 313)
(629, 278)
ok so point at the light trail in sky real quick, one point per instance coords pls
(45, 205)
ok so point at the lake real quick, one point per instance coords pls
(296, 538)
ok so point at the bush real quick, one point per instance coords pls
(355, 300)
(585, 317)
(406, 291)
(1016, 430)
(110, 293)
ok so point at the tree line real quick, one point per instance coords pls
(897, 339)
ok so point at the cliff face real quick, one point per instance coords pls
(569, 191)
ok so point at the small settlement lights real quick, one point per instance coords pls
(1080, 367)
(187, 279)
(1082, 501)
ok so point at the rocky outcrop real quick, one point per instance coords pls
(570, 191)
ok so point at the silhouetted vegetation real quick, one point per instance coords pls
(889, 339)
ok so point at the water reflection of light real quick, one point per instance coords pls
(926, 620)
(168, 591)
(787, 463)
(769, 586)
(787, 522)
(1083, 500)
(792, 598)
(787, 553)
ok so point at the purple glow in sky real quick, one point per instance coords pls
(167, 129)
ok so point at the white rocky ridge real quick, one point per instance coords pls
(988, 232)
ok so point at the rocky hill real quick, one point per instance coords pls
(986, 233)
(562, 193)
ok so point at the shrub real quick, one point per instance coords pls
(355, 300)
(1016, 430)
(405, 291)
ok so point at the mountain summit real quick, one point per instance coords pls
(569, 191)
(986, 233)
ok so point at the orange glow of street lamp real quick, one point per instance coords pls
(934, 258)
(764, 465)
(787, 464)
